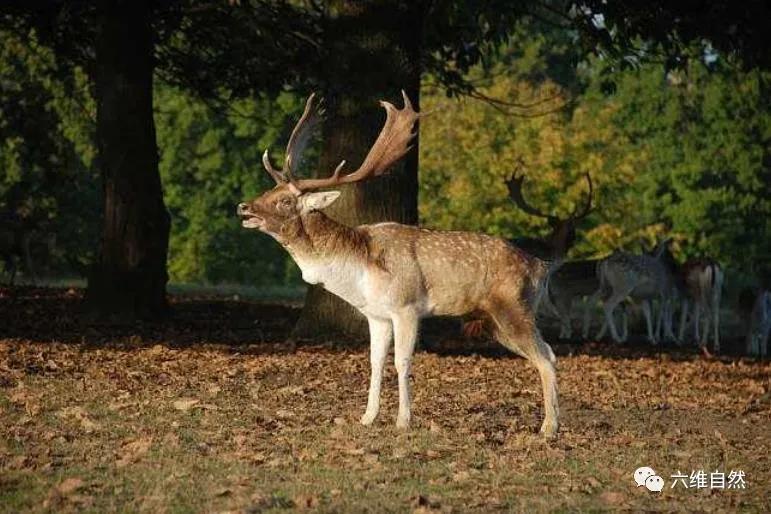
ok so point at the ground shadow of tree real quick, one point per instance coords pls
(250, 326)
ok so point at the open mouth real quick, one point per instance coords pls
(249, 220)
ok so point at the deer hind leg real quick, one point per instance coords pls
(380, 334)
(697, 322)
(683, 322)
(751, 350)
(669, 319)
(562, 306)
(516, 330)
(609, 307)
(590, 304)
(405, 335)
(716, 319)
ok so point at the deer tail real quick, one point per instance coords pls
(540, 282)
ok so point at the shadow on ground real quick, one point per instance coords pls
(45, 314)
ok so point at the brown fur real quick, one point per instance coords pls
(396, 274)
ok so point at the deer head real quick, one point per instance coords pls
(278, 212)
(563, 230)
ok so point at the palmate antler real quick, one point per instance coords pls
(390, 146)
(301, 135)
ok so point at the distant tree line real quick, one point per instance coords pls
(132, 127)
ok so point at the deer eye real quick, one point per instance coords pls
(285, 202)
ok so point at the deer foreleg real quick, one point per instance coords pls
(646, 308)
(380, 335)
(668, 319)
(608, 308)
(405, 333)
(588, 306)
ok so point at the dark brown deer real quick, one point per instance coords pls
(562, 236)
(396, 274)
(569, 280)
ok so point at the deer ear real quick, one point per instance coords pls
(317, 201)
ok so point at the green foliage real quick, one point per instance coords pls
(46, 157)
(210, 161)
(679, 153)
(682, 154)
(707, 137)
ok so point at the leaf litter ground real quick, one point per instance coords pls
(213, 412)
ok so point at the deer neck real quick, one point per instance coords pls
(327, 252)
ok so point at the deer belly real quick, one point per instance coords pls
(451, 297)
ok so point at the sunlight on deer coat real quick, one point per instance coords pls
(396, 274)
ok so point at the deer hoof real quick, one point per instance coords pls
(368, 418)
(403, 422)
(549, 430)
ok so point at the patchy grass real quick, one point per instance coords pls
(192, 416)
(252, 429)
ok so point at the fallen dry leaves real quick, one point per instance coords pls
(218, 420)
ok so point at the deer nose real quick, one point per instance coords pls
(240, 208)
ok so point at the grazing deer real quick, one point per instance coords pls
(396, 274)
(703, 284)
(644, 278)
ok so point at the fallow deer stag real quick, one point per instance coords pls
(396, 274)
(562, 236)
(568, 280)
(703, 284)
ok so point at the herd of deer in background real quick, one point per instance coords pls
(654, 280)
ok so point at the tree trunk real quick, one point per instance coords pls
(374, 54)
(128, 280)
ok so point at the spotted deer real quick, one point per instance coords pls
(703, 285)
(644, 278)
(397, 274)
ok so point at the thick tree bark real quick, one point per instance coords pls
(128, 280)
(374, 50)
